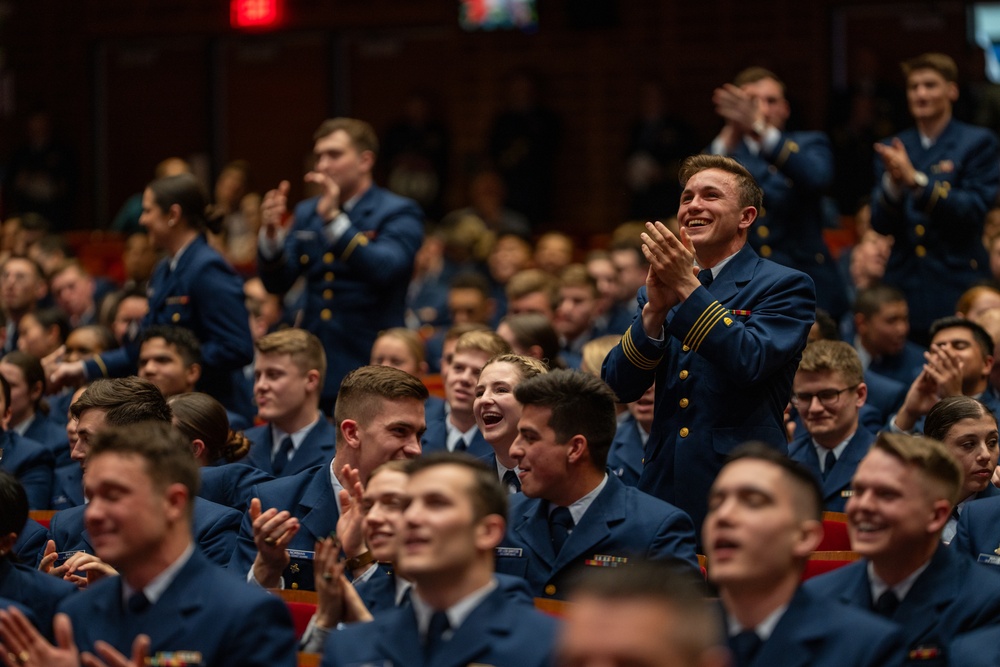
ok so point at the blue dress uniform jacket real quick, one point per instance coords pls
(214, 527)
(903, 367)
(318, 447)
(497, 632)
(795, 176)
(52, 435)
(206, 613)
(435, 438)
(32, 464)
(978, 531)
(379, 591)
(622, 523)
(356, 287)
(818, 632)
(308, 496)
(837, 485)
(230, 484)
(205, 295)
(31, 543)
(938, 252)
(723, 375)
(980, 648)
(954, 595)
(67, 486)
(36, 590)
(625, 455)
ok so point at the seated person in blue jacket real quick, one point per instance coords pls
(904, 492)
(573, 513)
(453, 521)
(763, 521)
(959, 362)
(169, 600)
(645, 614)
(969, 430)
(829, 391)
(29, 461)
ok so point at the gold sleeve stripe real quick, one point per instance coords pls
(787, 149)
(100, 365)
(359, 239)
(709, 326)
(634, 356)
(696, 329)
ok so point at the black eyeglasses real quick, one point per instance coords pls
(827, 397)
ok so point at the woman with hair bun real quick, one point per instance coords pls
(192, 287)
(217, 448)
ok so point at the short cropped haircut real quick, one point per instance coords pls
(487, 495)
(939, 62)
(699, 624)
(828, 329)
(929, 456)
(833, 355)
(581, 404)
(362, 134)
(576, 275)
(471, 280)
(180, 338)
(794, 471)
(457, 331)
(870, 300)
(363, 390)
(755, 74)
(126, 400)
(527, 367)
(529, 281)
(950, 410)
(14, 502)
(482, 341)
(304, 348)
(165, 452)
(979, 334)
(749, 192)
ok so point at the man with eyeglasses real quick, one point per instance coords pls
(828, 392)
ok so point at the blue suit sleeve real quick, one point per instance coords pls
(387, 258)
(630, 367)
(226, 343)
(675, 539)
(807, 162)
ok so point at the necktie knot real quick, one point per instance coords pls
(831, 460)
(284, 453)
(560, 525)
(887, 603)
(705, 277)
(511, 482)
(138, 602)
(435, 632)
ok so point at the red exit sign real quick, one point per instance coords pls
(255, 13)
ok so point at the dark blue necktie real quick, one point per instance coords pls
(705, 277)
(887, 604)
(138, 602)
(744, 647)
(435, 633)
(831, 460)
(560, 525)
(281, 458)
(511, 482)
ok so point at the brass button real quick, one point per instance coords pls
(550, 590)
(295, 586)
(326, 314)
(920, 251)
(684, 403)
(685, 348)
(765, 251)
(328, 276)
(328, 257)
(820, 259)
(919, 229)
(328, 294)
(683, 375)
(176, 317)
(304, 259)
(684, 432)
(763, 232)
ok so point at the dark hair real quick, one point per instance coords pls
(535, 329)
(14, 502)
(798, 473)
(755, 74)
(199, 416)
(166, 454)
(187, 192)
(471, 280)
(362, 134)
(581, 404)
(182, 339)
(950, 410)
(750, 193)
(488, 496)
(53, 317)
(105, 338)
(939, 62)
(979, 334)
(5, 389)
(126, 400)
(870, 300)
(33, 373)
(827, 325)
(361, 389)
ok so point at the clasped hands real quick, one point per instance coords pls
(672, 275)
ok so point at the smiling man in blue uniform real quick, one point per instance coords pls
(355, 244)
(722, 343)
